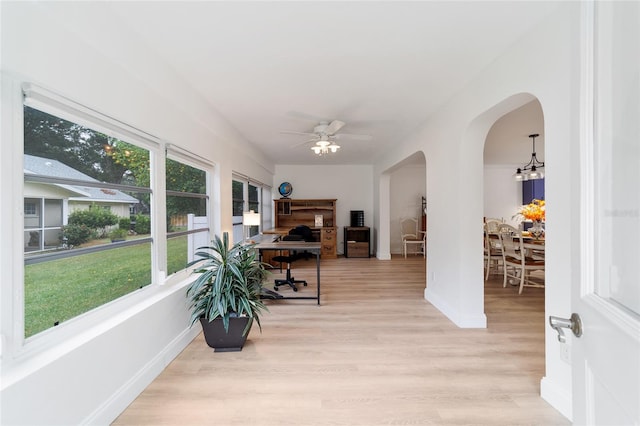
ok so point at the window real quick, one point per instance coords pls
(42, 230)
(254, 204)
(237, 192)
(253, 192)
(30, 208)
(187, 218)
(83, 175)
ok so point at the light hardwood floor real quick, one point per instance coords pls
(374, 353)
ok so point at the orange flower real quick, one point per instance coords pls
(534, 211)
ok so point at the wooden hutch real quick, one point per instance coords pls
(290, 213)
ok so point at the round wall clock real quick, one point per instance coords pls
(285, 189)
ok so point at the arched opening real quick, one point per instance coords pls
(506, 148)
(503, 135)
(407, 190)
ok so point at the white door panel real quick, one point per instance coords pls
(606, 358)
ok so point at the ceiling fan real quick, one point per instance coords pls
(325, 135)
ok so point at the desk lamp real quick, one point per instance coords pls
(249, 219)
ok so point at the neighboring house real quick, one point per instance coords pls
(48, 205)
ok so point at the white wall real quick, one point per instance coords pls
(87, 370)
(453, 142)
(502, 195)
(351, 185)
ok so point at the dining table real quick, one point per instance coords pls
(534, 247)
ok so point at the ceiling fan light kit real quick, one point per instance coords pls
(323, 147)
(324, 136)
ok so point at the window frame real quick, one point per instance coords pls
(178, 154)
(41, 216)
(16, 348)
(58, 106)
(49, 256)
(28, 212)
(248, 204)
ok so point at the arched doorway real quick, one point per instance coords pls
(405, 187)
(507, 147)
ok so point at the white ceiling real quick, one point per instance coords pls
(381, 67)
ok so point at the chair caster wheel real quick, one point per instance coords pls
(295, 289)
(305, 284)
(275, 288)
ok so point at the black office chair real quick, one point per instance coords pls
(292, 257)
(304, 231)
(307, 235)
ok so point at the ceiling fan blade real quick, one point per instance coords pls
(289, 132)
(353, 137)
(306, 142)
(334, 126)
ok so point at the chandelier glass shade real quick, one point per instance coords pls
(534, 169)
(324, 146)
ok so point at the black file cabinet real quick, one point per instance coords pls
(357, 241)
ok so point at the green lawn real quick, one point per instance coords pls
(176, 254)
(62, 289)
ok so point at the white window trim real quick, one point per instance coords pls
(37, 97)
(264, 205)
(52, 103)
(21, 356)
(179, 154)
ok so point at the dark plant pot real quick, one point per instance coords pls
(221, 341)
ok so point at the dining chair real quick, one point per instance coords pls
(494, 219)
(517, 265)
(412, 236)
(492, 248)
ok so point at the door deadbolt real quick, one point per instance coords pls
(574, 324)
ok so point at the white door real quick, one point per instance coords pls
(606, 358)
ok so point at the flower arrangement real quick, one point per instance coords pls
(534, 211)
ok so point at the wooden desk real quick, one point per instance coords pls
(267, 243)
(277, 231)
(326, 235)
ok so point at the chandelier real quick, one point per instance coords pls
(534, 169)
(324, 146)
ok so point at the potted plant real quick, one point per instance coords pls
(225, 297)
(536, 213)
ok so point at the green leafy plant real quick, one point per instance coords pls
(124, 223)
(75, 234)
(118, 234)
(229, 283)
(95, 218)
(143, 224)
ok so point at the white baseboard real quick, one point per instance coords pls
(558, 397)
(120, 400)
(462, 320)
